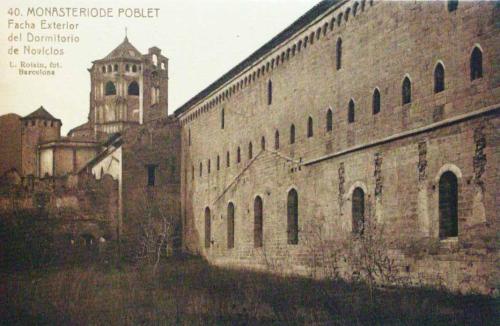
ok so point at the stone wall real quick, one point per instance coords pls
(10, 143)
(80, 205)
(396, 156)
(154, 146)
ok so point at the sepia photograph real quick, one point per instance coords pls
(249, 162)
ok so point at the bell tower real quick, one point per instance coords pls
(127, 88)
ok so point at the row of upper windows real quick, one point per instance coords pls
(114, 68)
(110, 89)
(448, 214)
(280, 58)
(476, 71)
(45, 123)
(285, 55)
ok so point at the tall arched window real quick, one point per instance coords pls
(250, 150)
(269, 92)
(208, 226)
(110, 88)
(208, 166)
(329, 120)
(339, 53)
(263, 143)
(358, 211)
(133, 89)
(218, 162)
(222, 118)
(258, 222)
(238, 155)
(230, 226)
(439, 78)
(310, 129)
(448, 205)
(292, 134)
(228, 161)
(350, 112)
(293, 217)
(115, 67)
(376, 101)
(406, 91)
(201, 169)
(476, 64)
(276, 140)
(452, 5)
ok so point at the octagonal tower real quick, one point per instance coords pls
(127, 88)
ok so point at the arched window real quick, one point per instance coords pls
(110, 88)
(133, 89)
(476, 64)
(448, 205)
(292, 134)
(222, 118)
(329, 120)
(406, 91)
(192, 172)
(134, 68)
(208, 231)
(276, 140)
(208, 166)
(250, 150)
(376, 101)
(339, 19)
(358, 211)
(258, 222)
(348, 10)
(310, 129)
(228, 161)
(350, 112)
(355, 9)
(339, 53)
(238, 155)
(218, 162)
(115, 67)
(230, 226)
(439, 78)
(269, 92)
(263, 143)
(127, 67)
(103, 69)
(109, 68)
(293, 217)
(452, 5)
(201, 169)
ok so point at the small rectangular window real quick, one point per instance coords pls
(151, 174)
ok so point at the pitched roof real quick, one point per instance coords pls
(84, 126)
(40, 113)
(302, 21)
(124, 51)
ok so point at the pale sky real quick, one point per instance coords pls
(203, 39)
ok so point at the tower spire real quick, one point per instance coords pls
(126, 34)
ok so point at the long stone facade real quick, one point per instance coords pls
(359, 115)
(364, 132)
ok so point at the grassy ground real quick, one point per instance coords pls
(190, 292)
